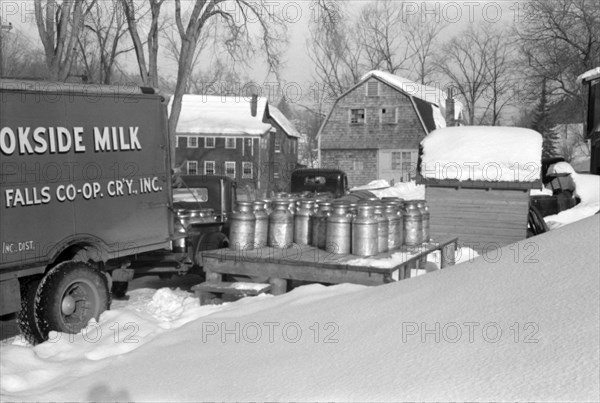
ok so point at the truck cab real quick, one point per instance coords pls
(320, 181)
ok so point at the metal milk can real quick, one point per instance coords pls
(181, 224)
(395, 225)
(383, 228)
(261, 229)
(243, 222)
(303, 222)
(339, 229)
(413, 224)
(422, 204)
(281, 224)
(364, 232)
(319, 234)
(268, 208)
(207, 215)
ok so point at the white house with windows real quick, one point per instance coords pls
(244, 138)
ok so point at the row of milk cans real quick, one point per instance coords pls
(364, 228)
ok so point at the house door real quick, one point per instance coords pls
(399, 165)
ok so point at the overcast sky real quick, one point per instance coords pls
(297, 75)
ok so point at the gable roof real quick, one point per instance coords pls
(282, 121)
(213, 114)
(433, 95)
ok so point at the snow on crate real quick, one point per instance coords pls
(482, 153)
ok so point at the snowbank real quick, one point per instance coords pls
(587, 186)
(404, 190)
(514, 325)
(482, 153)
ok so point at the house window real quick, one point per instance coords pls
(403, 161)
(276, 175)
(277, 145)
(230, 142)
(230, 169)
(373, 89)
(249, 147)
(192, 142)
(388, 116)
(209, 167)
(358, 165)
(209, 142)
(192, 167)
(247, 171)
(357, 116)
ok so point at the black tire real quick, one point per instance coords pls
(119, 288)
(210, 241)
(26, 317)
(68, 296)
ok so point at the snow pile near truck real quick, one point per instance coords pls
(482, 153)
(587, 188)
(512, 326)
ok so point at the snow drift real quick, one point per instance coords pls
(518, 324)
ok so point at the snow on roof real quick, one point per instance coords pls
(213, 114)
(282, 121)
(589, 75)
(433, 95)
(482, 153)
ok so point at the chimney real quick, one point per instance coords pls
(253, 104)
(450, 106)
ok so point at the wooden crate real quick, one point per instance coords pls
(481, 218)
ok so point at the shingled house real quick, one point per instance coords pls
(219, 135)
(374, 129)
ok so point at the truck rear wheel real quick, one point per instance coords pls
(69, 296)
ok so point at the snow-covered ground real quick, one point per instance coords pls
(519, 325)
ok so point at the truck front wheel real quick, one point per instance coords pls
(68, 296)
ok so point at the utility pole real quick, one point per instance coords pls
(7, 28)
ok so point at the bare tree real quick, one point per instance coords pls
(501, 66)
(238, 40)
(465, 65)
(148, 70)
(107, 25)
(333, 48)
(421, 37)
(59, 25)
(20, 58)
(560, 39)
(381, 30)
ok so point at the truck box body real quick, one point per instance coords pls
(81, 165)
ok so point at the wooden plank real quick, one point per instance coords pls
(306, 265)
(294, 272)
(449, 183)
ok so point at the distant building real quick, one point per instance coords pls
(219, 135)
(374, 129)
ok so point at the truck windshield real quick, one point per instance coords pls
(190, 195)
